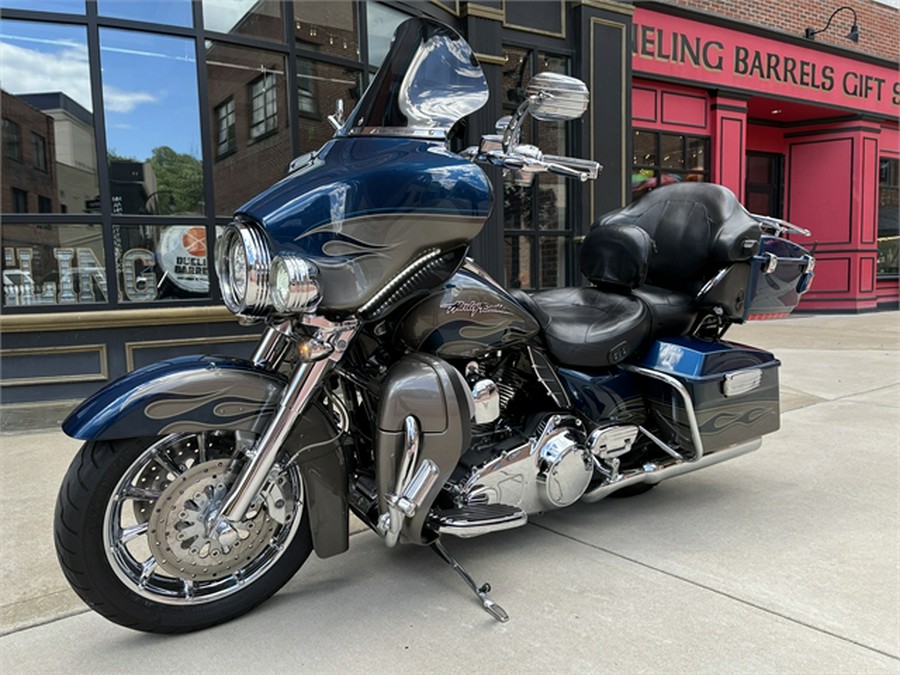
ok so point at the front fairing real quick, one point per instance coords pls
(365, 208)
(386, 191)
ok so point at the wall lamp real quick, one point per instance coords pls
(854, 29)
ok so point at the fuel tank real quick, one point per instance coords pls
(366, 210)
(470, 316)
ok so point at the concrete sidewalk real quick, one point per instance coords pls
(785, 560)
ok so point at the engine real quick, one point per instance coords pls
(548, 469)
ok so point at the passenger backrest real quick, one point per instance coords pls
(696, 229)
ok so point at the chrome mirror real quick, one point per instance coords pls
(557, 98)
(337, 119)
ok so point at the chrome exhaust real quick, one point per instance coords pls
(657, 472)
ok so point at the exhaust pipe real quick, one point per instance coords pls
(656, 473)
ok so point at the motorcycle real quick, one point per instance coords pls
(397, 380)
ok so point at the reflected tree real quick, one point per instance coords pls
(179, 176)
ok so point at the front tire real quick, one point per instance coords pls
(138, 539)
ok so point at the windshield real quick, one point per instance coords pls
(430, 80)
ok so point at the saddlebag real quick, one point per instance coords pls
(733, 388)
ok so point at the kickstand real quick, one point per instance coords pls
(489, 605)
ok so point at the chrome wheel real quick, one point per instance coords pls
(162, 533)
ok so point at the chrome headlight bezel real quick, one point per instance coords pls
(294, 285)
(254, 301)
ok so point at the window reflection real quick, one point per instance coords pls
(156, 262)
(49, 163)
(248, 111)
(173, 12)
(319, 85)
(328, 28)
(662, 159)
(253, 18)
(381, 23)
(62, 6)
(542, 205)
(152, 123)
(53, 265)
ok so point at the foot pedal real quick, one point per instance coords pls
(473, 521)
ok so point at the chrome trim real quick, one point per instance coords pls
(685, 396)
(254, 302)
(656, 473)
(301, 292)
(486, 395)
(398, 132)
(427, 256)
(273, 346)
(296, 396)
(466, 528)
(741, 381)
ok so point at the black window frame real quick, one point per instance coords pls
(268, 122)
(39, 146)
(227, 145)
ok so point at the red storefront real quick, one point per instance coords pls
(795, 129)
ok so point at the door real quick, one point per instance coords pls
(765, 183)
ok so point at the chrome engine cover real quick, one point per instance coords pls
(550, 471)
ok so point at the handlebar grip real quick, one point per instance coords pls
(585, 166)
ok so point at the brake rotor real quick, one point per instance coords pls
(187, 538)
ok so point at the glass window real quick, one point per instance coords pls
(252, 18)
(251, 166)
(381, 22)
(661, 159)
(155, 263)
(61, 6)
(226, 137)
(263, 106)
(152, 123)
(19, 201)
(327, 27)
(39, 147)
(543, 206)
(319, 85)
(173, 12)
(889, 217)
(12, 139)
(47, 92)
(53, 265)
(45, 204)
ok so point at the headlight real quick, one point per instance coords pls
(242, 263)
(295, 287)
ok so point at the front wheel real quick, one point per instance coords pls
(138, 537)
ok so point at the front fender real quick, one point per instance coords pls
(190, 393)
(200, 393)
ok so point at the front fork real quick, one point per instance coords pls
(318, 354)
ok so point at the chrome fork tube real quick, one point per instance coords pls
(274, 346)
(297, 395)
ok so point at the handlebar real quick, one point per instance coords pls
(529, 159)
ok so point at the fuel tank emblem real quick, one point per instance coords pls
(475, 308)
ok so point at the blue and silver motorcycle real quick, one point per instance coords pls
(396, 380)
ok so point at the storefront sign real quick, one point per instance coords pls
(671, 46)
(78, 276)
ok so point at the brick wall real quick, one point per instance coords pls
(23, 173)
(879, 24)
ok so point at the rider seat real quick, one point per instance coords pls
(646, 263)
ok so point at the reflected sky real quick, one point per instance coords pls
(160, 106)
(171, 12)
(41, 58)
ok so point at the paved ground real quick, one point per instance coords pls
(785, 560)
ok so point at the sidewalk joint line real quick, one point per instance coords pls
(742, 601)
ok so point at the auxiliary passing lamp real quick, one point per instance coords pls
(854, 29)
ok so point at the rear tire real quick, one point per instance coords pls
(133, 536)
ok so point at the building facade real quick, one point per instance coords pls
(157, 120)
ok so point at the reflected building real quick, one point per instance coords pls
(29, 181)
(72, 150)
